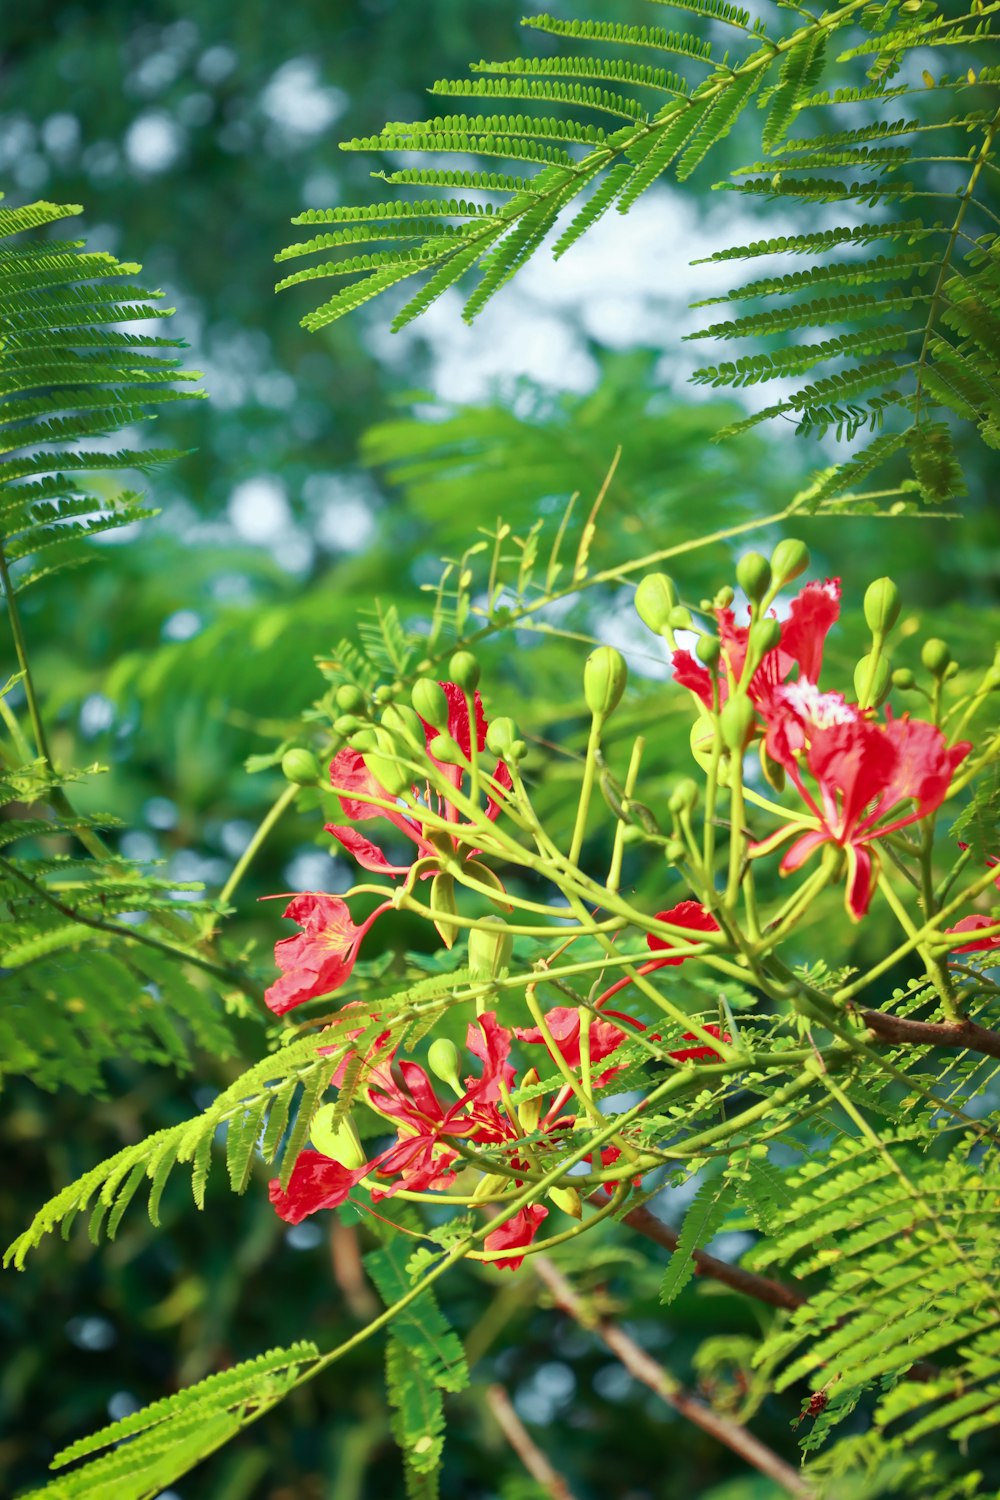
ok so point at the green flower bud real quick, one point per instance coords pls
(935, 656)
(684, 797)
(604, 678)
(442, 1059)
(490, 948)
(517, 751)
(341, 1142)
(723, 598)
(679, 618)
(500, 735)
(881, 683)
(350, 699)
(568, 1199)
(300, 766)
(403, 721)
(703, 749)
(633, 833)
(903, 679)
(674, 852)
(443, 901)
(708, 650)
(753, 574)
(882, 606)
(384, 764)
(789, 558)
(655, 597)
(529, 1111)
(463, 669)
(446, 750)
(384, 694)
(346, 724)
(363, 739)
(950, 671)
(738, 721)
(429, 699)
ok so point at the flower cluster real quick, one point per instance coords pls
(858, 778)
(435, 1140)
(319, 960)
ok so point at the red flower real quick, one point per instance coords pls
(803, 634)
(868, 776)
(317, 960)
(516, 1234)
(422, 1156)
(974, 924)
(690, 914)
(351, 778)
(563, 1022)
(317, 1181)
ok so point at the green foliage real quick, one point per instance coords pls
(904, 1240)
(71, 376)
(156, 1446)
(934, 316)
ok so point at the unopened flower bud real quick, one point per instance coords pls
(340, 1142)
(604, 678)
(363, 739)
(490, 948)
(300, 767)
(632, 833)
(442, 1059)
(350, 699)
(789, 558)
(674, 851)
(500, 735)
(388, 772)
(430, 701)
(463, 669)
(903, 679)
(738, 720)
(446, 750)
(753, 574)
(385, 693)
(703, 748)
(679, 618)
(568, 1199)
(444, 905)
(708, 650)
(655, 597)
(935, 656)
(529, 1111)
(723, 598)
(684, 797)
(870, 696)
(882, 606)
(950, 671)
(346, 724)
(404, 721)
(517, 751)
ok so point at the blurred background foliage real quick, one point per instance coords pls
(322, 472)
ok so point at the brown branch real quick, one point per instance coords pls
(776, 1293)
(642, 1367)
(962, 1034)
(527, 1450)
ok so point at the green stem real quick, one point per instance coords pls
(936, 971)
(586, 788)
(91, 841)
(133, 934)
(263, 829)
